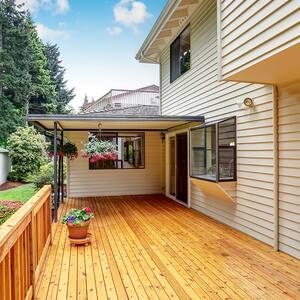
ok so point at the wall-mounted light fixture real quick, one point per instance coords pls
(248, 102)
(162, 136)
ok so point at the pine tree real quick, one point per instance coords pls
(57, 73)
(15, 80)
(42, 93)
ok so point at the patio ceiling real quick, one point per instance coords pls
(111, 122)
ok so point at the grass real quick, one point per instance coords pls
(21, 193)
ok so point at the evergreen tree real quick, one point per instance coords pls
(57, 73)
(42, 93)
(15, 80)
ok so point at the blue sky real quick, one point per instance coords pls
(98, 40)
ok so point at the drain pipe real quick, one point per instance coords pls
(276, 167)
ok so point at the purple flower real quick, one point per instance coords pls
(71, 219)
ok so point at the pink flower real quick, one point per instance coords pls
(88, 210)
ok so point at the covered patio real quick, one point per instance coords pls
(123, 177)
(150, 247)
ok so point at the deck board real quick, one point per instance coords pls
(149, 247)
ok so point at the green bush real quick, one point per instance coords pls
(27, 150)
(45, 176)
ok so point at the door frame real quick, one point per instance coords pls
(167, 162)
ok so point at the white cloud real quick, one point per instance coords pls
(115, 30)
(62, 6)
(57, 6)
(130, 13)
(47, 33)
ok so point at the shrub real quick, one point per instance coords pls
(45, 176)
(27, 150)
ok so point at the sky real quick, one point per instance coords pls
(98, 41)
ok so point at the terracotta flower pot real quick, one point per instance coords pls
(78, 231)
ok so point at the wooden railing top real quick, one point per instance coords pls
(10, 230)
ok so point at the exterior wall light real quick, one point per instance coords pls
(248, 102)
(162, 136)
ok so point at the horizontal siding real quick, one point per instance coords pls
(255, 30)
(84, 182)
(198, 92)
(289, 169)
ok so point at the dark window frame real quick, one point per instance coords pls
(119, 134)
(216, 124)
(174, 77)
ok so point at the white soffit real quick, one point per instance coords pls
(167, 26)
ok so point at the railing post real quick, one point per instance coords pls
(32, 254)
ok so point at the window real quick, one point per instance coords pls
(130, 148)
(180, 52)
(213, 151)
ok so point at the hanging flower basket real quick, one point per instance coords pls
(96, 149)
(68, 150)
(59, 150)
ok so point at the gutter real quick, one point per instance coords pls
(276, 167)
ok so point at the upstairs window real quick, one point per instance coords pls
(213, 151)
(180, 52)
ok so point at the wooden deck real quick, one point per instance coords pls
(150, 247)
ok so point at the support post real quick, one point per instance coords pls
(55, 172)
(59, 179)
(62, 170)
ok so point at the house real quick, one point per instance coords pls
(237, 64)
(223, 155)
(142, 101)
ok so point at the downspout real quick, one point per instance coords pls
(276, 167)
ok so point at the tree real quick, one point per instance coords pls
(27, 150)
(57, 74)
(15, 80)
(42, 93)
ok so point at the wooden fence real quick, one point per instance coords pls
(24, 241)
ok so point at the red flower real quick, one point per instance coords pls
(88, 210)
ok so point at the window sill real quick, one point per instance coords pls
(224, 191)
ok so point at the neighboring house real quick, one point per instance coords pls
(237, 63)
(143, 101)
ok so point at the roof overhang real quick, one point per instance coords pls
(111, 122)
(278, 69)
(171, 20)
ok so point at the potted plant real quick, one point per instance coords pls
(78, 221)
(96, 149)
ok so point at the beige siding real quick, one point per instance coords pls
(289, 169)
(198, 92)
(254, 30)
(84, 182)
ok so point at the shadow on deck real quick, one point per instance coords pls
(151, 247)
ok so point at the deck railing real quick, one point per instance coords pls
(24, 241)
